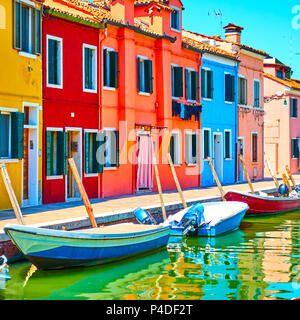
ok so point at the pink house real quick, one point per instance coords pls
(282, 121)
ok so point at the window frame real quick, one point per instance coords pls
(107, 61)
(89, 131)
(60, 64)
(142, 80)
(204, 95)
(294, 140)
(94, 68)
(242, 100)
(203, 143)
(230, 144)
(188, 162)
(292, 108)
(177, 157)
(234, 91)
(108, 150)
(256, 81)
(178, 11)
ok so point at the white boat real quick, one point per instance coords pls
(202, 220)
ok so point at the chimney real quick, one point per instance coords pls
(123, 9)
(233, 33)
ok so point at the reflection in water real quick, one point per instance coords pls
(260, 261)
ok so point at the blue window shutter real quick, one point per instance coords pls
(114, 69)
(17, 20)
(178, 82)
(203, 83)
(148, 76)
(209, 84)
(37, 31)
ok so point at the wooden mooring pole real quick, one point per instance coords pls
(177, 181)
(83, 193)
(11, 194)
(291, 177)
(216, 179)
(246, 174)
(286, 181)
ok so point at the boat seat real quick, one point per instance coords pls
(120, 228)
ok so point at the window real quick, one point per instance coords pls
(55, 153)
(144, 75)
(295, 148)
(242, 91)
(177, 81)
(191, 148)
(206, 143)
(254, 140)
(111, 154)
(110, 68)
(229, 87)
(89, 68)
(93, 163)
(174, 148)
(227, 146)
(280, 74)
(206, 84)
(175, 19)
(11, 135)
(27, 28)
(256, 93)
(294, 108)
(54, 62)
(191, 85)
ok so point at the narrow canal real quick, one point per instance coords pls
(259, 261)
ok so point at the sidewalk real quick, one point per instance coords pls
(73, 215)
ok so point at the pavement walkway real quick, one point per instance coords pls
(49, 214)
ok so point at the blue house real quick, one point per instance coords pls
(219, 122)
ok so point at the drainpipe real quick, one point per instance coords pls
(199, 122)
(100, 121)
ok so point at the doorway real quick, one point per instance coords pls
(144, 162)
(74, 150)
(241, 147)
(218, 155)
(30, 157)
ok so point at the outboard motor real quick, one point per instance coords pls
(193, 219)
(283, 190)
(144, 217)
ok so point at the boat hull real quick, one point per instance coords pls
(260, 206)
(223, 226)
(52, 249)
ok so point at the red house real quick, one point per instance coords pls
(122, 70)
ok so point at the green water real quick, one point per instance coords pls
(260, 261)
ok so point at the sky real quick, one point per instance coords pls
(270, 26)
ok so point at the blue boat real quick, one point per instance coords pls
(210, 219)
(55, 249)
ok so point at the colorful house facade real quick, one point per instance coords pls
(219, 74)
(21, 100)
(282, 121)
(250, 93)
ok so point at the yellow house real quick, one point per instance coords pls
(21, 100)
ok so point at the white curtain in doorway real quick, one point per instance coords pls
(145, 167)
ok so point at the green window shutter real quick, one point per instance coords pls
(171, 148)
(37, 35)
(148, 76)
(52, 61)
(114, 69)
(203, 83)
(206, 144)
(105, 53)
(178, 82)
(115, 162)
(194, 148)
(187, 93)
(139, 74)
(86, 152)
(17, 29)
(98, 152)
(209, 84)
(17, 135)
(25, 29)
(49, 148)
(61, 153)
(88, 68)
(196, 86)
(227, 145)
(227, 87)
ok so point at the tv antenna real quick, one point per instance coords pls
(218, 14)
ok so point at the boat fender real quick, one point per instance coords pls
(283, 190)
(144, 217)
